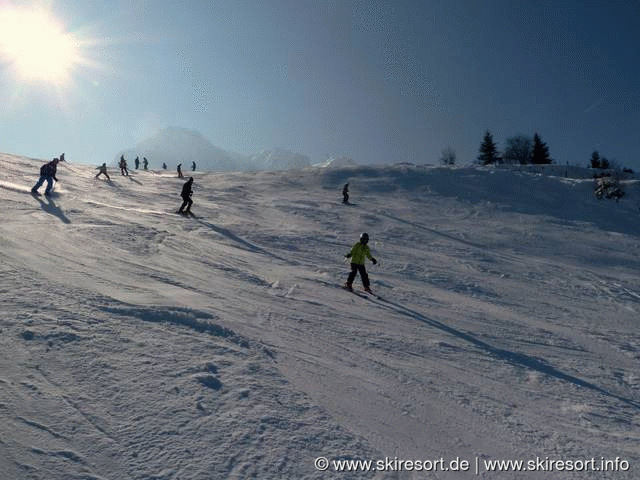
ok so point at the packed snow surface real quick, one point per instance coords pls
(140, 344)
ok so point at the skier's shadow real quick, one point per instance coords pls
(514, 358)
(110, 183)
(50, 207)
(242, 242)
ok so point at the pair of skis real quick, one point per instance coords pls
(361, 293)
(186, 214)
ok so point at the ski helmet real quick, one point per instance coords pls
(364, 238)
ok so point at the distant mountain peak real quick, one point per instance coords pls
(279, 159)
(337, 162)
(173, 145)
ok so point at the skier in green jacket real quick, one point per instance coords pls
(357, 255)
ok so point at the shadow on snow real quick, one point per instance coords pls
(225, 232)
(51, 208)
(514, 358)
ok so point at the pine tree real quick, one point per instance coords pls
(488, 150)
(595, 159)
(540, 152)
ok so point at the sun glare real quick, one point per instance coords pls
(36, 46)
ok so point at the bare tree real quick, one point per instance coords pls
(448, 156)
(518, 150)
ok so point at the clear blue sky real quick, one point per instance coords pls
(380, 81)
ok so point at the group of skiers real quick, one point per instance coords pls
(145, 162)
(179, 168)
(122, 164)
(145, 165)
(358, 253)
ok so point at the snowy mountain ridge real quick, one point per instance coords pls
(137, 343)
(174, 145)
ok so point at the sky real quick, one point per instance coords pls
(379, 81)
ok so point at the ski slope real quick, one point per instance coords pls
(140, 344)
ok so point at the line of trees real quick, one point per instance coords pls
(519, 149)
(523, 150)
(599, 162)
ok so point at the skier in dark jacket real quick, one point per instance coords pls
(145, 163)
(193, 166)
(357, 255)
(48, 173)
(123, 166)
(345, 193)
(179, 169)
(186, 197)
(137, 162)
(103, 171)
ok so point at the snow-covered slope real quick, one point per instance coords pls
(137, 343)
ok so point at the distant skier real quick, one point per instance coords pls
(48, 173)
(145, 163)
(193, 166)
(179, 169)
(62, 157)
(164, 166)
(137, 162)
(123, 166)
(345, 193)
(186, 197)
(103, 171)
(357, 254)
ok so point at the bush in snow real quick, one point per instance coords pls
(608, 187)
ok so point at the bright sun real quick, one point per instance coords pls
(37, 46)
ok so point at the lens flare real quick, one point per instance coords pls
(36, 46)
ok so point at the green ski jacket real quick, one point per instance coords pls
(358, 252)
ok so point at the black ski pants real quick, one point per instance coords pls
(186, 203)
(355, 269)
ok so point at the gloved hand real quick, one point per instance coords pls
(374, 261)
